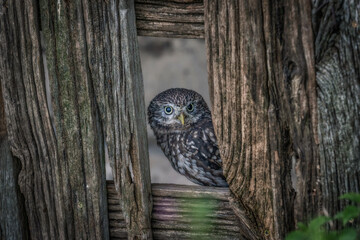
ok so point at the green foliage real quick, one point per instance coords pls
(198, 217)
(316, 230)
(350, 212)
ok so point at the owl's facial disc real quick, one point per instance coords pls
(176, 110)
(178, 115)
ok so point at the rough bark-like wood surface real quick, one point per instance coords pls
(103, 34)
(182, 212)
(12, 214)
(62, 175)
(94, 108)
(175, 18)
(337, 44)
(262, 83)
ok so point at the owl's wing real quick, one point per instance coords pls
(202, 144)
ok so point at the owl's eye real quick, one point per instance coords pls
(168, 110)
(190, 107)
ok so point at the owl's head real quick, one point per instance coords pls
(177, 109)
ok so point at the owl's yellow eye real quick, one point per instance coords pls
(190, 107)
(168, 110)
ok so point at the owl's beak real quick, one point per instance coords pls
(181, 118)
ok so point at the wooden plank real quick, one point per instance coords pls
(175, 18)
(223, 38)
(30, 132)
(62, 177)
(263, 90)
(337, 77)
(12, 213)
(103, 65)
(131, 167)
(183, 212)
(79, 152)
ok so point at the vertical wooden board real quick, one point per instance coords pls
(30, 135)
(262, 82)
(297, 83)
(76, 121)
(12, 215)
(116, 77)
(62, 177)
(337, 41)
(130, 153)
(293, 112)
(236, 82)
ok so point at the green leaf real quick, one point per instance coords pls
(302, 227)
(355, 197)
(348, 213)
(316, 223)
(297, 235)
(348, 234)
(332, 235)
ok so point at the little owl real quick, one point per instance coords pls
(181, 121)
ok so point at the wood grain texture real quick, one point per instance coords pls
(262, 84)
(175, 18)
(337, 43)
(62, 175)
(12, 214)
(102, 71)
(95, 108)
(182, 212)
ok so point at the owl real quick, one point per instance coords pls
(181, 121)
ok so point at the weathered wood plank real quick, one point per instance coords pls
(262, 82)
(76, 125)
(175, 18)
(182, 212)
(108, 81)
(31, 136)
(182, 191)
(337, 42)
(12, 213)
(116, 81)
(62, 177)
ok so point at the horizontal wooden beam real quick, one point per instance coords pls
(182, 212)
(172, 18)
